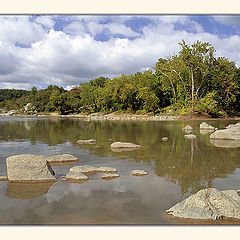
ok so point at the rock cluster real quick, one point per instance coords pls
(208, 204)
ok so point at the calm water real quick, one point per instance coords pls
(177, 168)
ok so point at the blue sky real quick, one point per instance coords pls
(66, 50)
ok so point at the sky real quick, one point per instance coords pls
(66, 50)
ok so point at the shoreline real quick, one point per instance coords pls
(122, 116)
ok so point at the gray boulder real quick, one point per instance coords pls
(29, 168)
(209, 204)
(124, 145)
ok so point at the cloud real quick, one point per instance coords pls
(74, 55)
(228, 19)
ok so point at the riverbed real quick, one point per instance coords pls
(177, 168)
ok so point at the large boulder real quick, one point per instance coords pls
(232, 133)
(208, 204)
(124, 145)
(206, 126)
(29, 168)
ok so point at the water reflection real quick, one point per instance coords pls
(225, 143)
(27, 190)
(177, 167)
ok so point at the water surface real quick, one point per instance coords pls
(177, 168)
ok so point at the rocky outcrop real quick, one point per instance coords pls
(208, 203)
(89, 141)
(206, 126)
(139, 173)
(110, 176)
(190, 136)
(124, 145)
(29, 168)
(76, 177)
(89, 170)
(61, 158)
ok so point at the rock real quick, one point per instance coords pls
(61, 158)
(187, 127)
(124, 145)
(110, 176)
(89, 141)
(3, 178)
(232, 133)
(237, 125)
(96, 116)
(223, 143)
(29, 168)
(76, 177)
(190, 136)
(139, 172)
(206, 126)
(89, 170)
(27, 190)
(208, 204)
(164, 139)
(206, 131)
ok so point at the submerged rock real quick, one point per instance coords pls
(164, 139)
(223, 143)
(208, 203)
(3, 178)
(139, 173)
(76, 177)
(190, 136)
(89, 141)
(29, 168)
(89, 170)
(206, 126)
(62, 158)
(110, 176)
(124, 145)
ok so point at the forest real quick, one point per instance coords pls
(193, 82)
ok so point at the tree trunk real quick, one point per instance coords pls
(192, 88)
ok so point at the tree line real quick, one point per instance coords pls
(193, 81)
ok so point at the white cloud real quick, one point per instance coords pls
(71, 56)
(228, 19)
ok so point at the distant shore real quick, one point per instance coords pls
(121, 116)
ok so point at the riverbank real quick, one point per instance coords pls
(121, 116)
